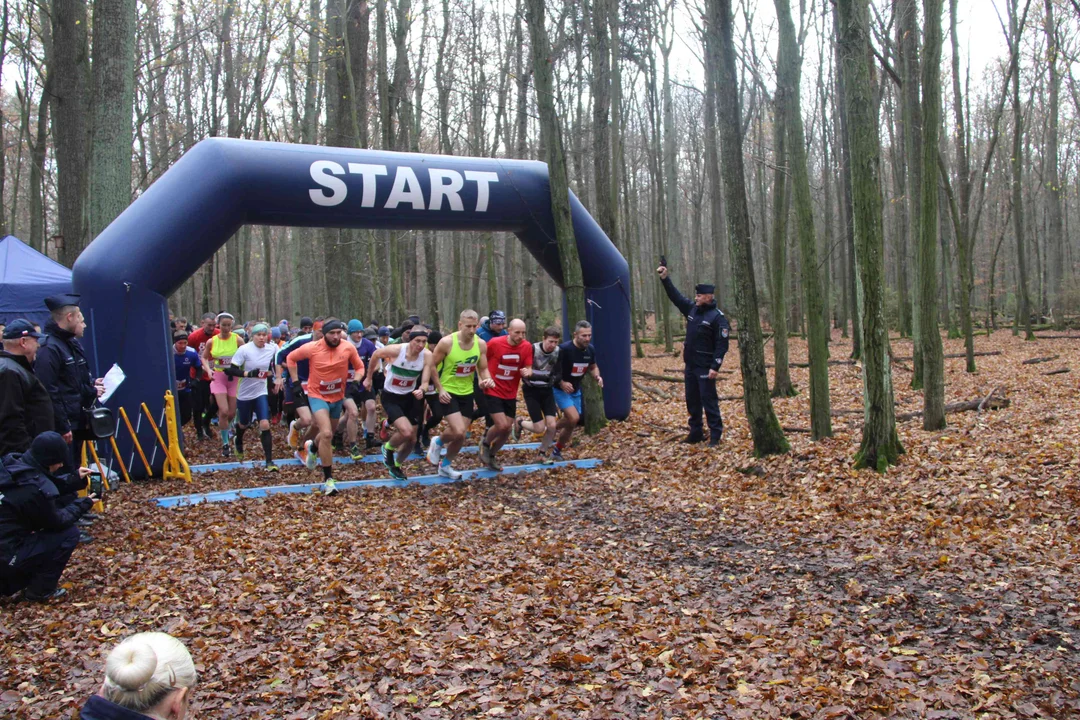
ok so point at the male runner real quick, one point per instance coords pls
(538, 390)
(576, 357)
(456, 359)
(254, 364)
(511, 357)
(359, 400)
(296, 402)
(330, 359)
(187, 362)
(200, 394)
(429, 414)
(406, 369)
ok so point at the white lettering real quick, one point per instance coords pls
(482, 180)
(449, 190)
(322, 172)
(369, 173)
(406, 189)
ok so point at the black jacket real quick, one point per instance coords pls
(28, 503)
(707, 331)
(98, 708)
(62, 368)
(26, 409)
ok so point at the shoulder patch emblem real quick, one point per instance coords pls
(724, 331)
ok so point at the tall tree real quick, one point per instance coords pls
(880, 446)
(782, 385)
(930, 338)
(113, 77)
(69, 85)
(789, 78)
(1054, 191)
(765, 429)
(1023, 298)
(551, 136)
(911, 113)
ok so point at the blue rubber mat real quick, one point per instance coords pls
(231, 495)
(376, 458)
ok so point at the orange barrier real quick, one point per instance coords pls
(135, 439)
(176, 466)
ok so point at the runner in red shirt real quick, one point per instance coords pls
(200, 395)
(509, 358)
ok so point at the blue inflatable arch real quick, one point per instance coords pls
(128, 271)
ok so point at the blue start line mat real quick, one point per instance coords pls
(246, 493)
(376, 458)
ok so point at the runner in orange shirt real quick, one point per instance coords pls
(330, 359)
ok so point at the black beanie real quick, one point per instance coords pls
(49, 448)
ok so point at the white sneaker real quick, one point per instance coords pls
(433, 451)
(446, 471)
(312, 456)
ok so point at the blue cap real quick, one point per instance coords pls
(55, 302)
(355, 326)
(275, 332)
(385, 330)
(21, 328)
(497, 316)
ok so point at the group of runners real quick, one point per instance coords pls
(331, 371)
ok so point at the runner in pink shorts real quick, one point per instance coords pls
(218, 355)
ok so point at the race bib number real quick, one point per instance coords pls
(181, 384)
(464, 370)
(351, 375)
(263, 374)
(329, 386)
(223, 362)
(579, 369)
(403, 383)
(506, 372)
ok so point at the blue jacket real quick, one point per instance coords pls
(62, 368)
(98, 708)
(28, 503)
(486, 333)
(184, 363)
(707, 331)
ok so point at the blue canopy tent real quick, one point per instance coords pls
(26, 278)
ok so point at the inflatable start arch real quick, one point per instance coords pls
(128, 271)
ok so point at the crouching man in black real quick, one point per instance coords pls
(38, 511)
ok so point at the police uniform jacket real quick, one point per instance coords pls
(707, 331)
(28, 504)
(62, 368)
(25, 406)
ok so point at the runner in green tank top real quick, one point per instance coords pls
(455, 360)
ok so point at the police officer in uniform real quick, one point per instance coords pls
(62, 368)
(707, 331)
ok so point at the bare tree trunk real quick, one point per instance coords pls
(782, 385)
(765, 429)
(1024, 300)
(113, 96)
(1055, 238)
(69, 71)
(789, 78)
(560, 188)
(880, 445)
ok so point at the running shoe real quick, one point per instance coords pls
(492, 463)
(384, 431)
(485, 452)
(371, 442)
(271, 466)
(433, 453)
(239, 454)
(556, 453)
(301, 455)
(355, 453)
(294, 436)
(225, 451)
(515, 434)
(310, 456)
(546, 459)
(330, 487)
(388, 458)
(447, 471)
(398, 473)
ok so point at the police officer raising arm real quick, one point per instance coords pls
(706, 343)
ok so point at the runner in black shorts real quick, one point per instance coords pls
(539, 396)
(407, 369)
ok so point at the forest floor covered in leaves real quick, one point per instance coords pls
(669, 582)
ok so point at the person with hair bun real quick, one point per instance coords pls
(148, 675)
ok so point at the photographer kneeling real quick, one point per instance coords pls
(37, 518)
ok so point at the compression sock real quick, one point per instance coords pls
(224, 436)
(240, 439)
(267, 443)
(326, 471)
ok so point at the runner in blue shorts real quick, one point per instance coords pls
(576, 357)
